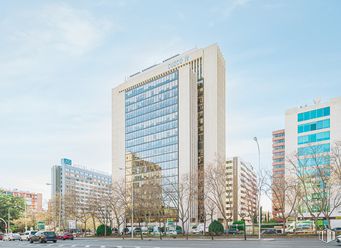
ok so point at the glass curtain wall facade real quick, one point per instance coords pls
(313, 148)
(151, 140)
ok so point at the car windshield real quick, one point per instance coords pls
(49, 233)
(33, 233)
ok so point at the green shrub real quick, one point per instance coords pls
(101, 230)
(216, 228)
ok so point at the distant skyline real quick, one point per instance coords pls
(59, 61)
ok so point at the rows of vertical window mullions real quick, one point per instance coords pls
(153, 137)
(150, 85)
(154, 146)
(155, 129)
(316, 113)
(153, 150)
(163, 109)
(317, 125)
(165, 157)
(140, 107)
(160, 90)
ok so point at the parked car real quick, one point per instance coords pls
(137, 230)
(269, 231)
(171, 232)
(27, 235)
(337, 229)
(12, 237)
(338, 239)
(233, 231)
(65, 236)
(43, 237)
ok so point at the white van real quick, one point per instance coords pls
(27, 235)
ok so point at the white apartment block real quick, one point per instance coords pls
(171, 116)
(241, 189)
(78, 181)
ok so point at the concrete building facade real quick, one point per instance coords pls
(171, 115)
(241, 189)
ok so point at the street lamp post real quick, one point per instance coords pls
(259, 191)
(132, 207)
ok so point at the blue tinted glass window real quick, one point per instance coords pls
(316, 113)
(317, 125)
(151, 131)
(316, 149)
(313, 138)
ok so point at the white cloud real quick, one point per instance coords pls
(54, 28)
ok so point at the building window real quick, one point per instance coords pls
(316, 113)
(317, 125)
(311, 138)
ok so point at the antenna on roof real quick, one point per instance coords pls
(317, 100)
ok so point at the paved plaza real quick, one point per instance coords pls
(115, 243)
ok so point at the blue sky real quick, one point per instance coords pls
(59, 61)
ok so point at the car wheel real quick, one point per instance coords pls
(31, 241)
(54, 241)
(71, 238)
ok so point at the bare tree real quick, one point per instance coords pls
(216, 189)
(319, 185)
(119, 203)
(285, 194)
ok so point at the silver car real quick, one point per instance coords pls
(338, 239)
(12, 237)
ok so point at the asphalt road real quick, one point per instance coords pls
(111, 243)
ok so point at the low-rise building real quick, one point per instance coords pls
(34, 201)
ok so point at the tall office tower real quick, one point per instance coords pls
(171, 116)
(77, 188)
(241, 189)
(278, 173)
(310, 134)
(34, 201)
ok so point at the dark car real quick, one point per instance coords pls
(269, 231)
(137, 230)
(43, 237)
(65, 236)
